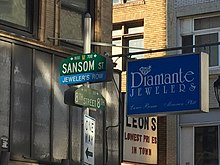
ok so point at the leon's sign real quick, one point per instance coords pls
(168, 84)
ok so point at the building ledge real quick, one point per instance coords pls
(128, 4)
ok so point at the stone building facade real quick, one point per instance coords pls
(194, 23)
(36, 127)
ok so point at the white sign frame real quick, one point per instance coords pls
(140, 140)
(89, 140)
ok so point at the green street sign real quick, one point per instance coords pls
(86, 68)
(90, 98)
(85, 97)
(83, 63)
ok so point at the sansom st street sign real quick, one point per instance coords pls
(83, 68)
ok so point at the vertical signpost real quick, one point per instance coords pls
(86, 68)
(86, 49)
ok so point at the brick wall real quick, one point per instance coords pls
(153, 12)
(154, 15)
(162, 140)
(103, 22)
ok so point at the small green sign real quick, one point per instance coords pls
(90, 98)
(83, 63)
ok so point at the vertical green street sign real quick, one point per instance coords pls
(85, 97)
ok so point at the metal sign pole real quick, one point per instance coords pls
(87, 34)
(86, 49)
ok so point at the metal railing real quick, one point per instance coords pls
(165, 49)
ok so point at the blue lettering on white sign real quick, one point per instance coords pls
(163, 85)
(83, 78)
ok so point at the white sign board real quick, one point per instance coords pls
(89, 140)
(140, 140)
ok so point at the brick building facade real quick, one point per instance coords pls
(148, 18)
(152, 13)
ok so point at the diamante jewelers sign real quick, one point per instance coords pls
(168, 84)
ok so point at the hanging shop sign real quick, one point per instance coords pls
(83, 68)
(85, 97)
(174, 84)
(140, 140)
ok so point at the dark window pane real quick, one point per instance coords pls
(71, 18)
(60, 116)
(14, 11)
(19, 17)
(71, 24)
(21, 104)
(206, 145)
(207, 23)
(211, 50)
(5, 67)
(42, 107)
(136, 43)
(133, 30)
(79, 5)
(187, 41)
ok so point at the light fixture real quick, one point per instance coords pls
(217, 90)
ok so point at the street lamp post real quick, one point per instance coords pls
(86, 49)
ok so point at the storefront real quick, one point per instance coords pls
(35, 124)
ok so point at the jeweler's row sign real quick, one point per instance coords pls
(82, 68)
(174, 84)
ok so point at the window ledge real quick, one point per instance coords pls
(132, 3)
(11, 36)
(214, 70)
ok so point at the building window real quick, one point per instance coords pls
(40, 125)
(122, 1)
(201, 31)
(71, 19)
(19, 16)
(117, 1)
(206, 145)
(130, 36)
